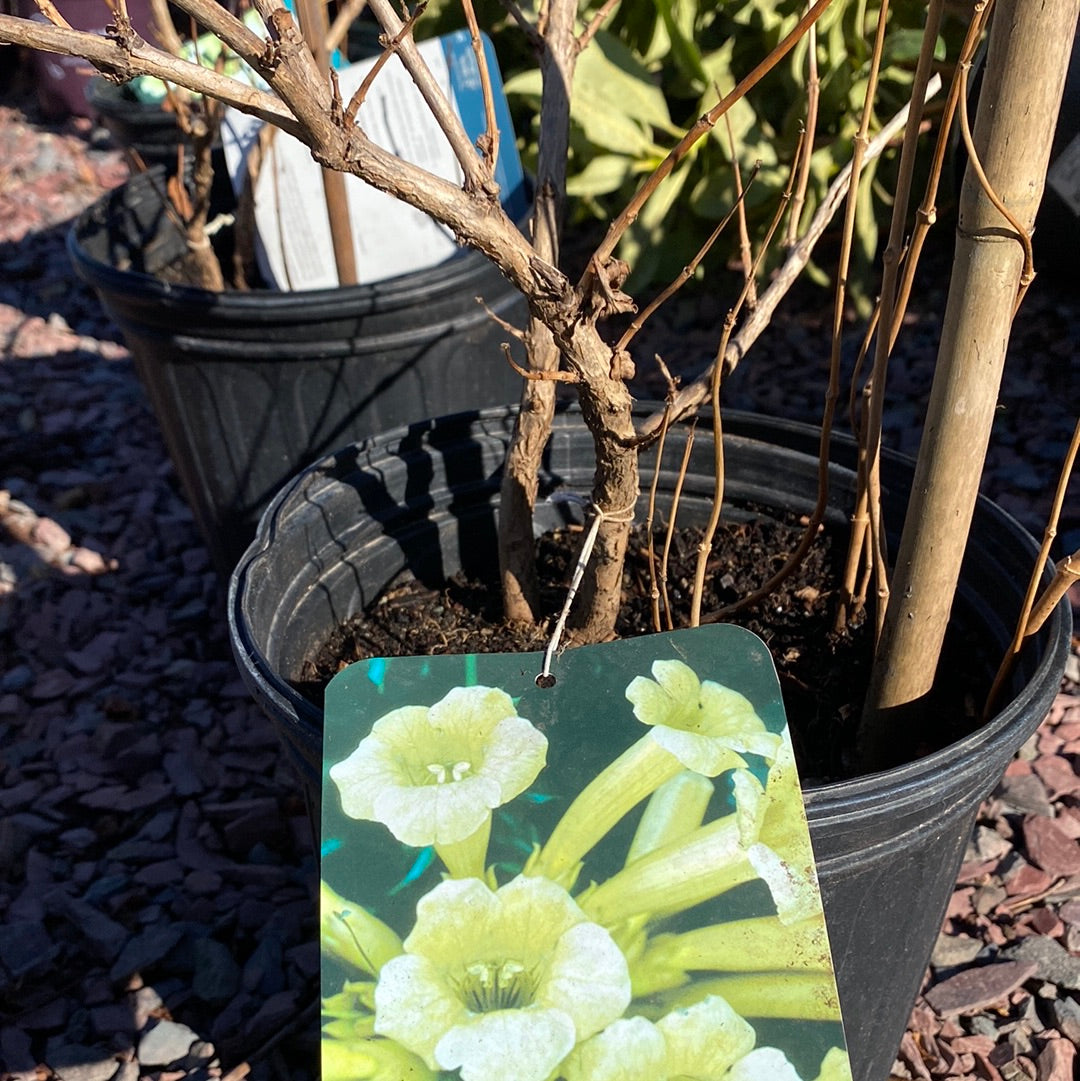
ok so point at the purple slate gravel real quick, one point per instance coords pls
(156, 872)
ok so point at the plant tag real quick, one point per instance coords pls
(295, 248)
(609, 879)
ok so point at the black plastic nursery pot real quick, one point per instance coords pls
(423, 501)
(145, 127)
(250, 387)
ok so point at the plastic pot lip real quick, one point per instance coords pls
(901, 783)
(453, 273)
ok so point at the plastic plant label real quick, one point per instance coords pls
(608, 879)
(295, 249)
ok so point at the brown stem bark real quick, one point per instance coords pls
(517, 562)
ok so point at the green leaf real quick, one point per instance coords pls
(526, 84)
(902, 47)
(601, 176)
(608, 76)
(684, 49)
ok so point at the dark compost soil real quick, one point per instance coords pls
(823, 672)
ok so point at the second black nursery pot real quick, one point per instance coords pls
(249, 387)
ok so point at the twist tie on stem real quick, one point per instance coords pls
(625, 514)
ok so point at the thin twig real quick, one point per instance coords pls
(476, 175)
(526, 27)
(813, 95)
(746, 254)
(539, 375)
(706, 542)
(870, 446)
(654, 589)
(1027, 275)
(595, 23)
(705, 547)
(513, 331)
(851, 600)
(1066, 572)
(926, 215)
(164, 30)
(1026, 624)
(232, 30)
(669, 535)
(853, 597)
(823, 459)
(381, 61)
(489, 141)
(861, 140)
(693, 395)
(52, 13)
(140, 58)
(684, 275)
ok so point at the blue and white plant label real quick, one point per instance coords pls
(607, 879)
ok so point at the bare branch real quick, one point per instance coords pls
(1067, 571)
(532, 426)
(669, 535)
(1022, 235)
(391, 47)
(596, 23)
(489, 144)
(690, 397)
(744, 233)
(490, 231)
(510, 329)
(813, 95)
(220, 21)
(526, 27)
(539, 375)
(926, 214)
(654, 587)
(683, 276)
(164, 31)
(138, 58)
(718, 436)
(52, 13)
(476, 177)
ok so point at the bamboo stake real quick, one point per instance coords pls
(1030, 45)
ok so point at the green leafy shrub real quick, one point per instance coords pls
(659, 64)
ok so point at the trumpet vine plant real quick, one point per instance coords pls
(565, 342)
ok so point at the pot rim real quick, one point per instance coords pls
(904, 783)
(462, 267)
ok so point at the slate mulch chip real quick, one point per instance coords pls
(156, 873)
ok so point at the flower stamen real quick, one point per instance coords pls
(497, 985)
(445, 774)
